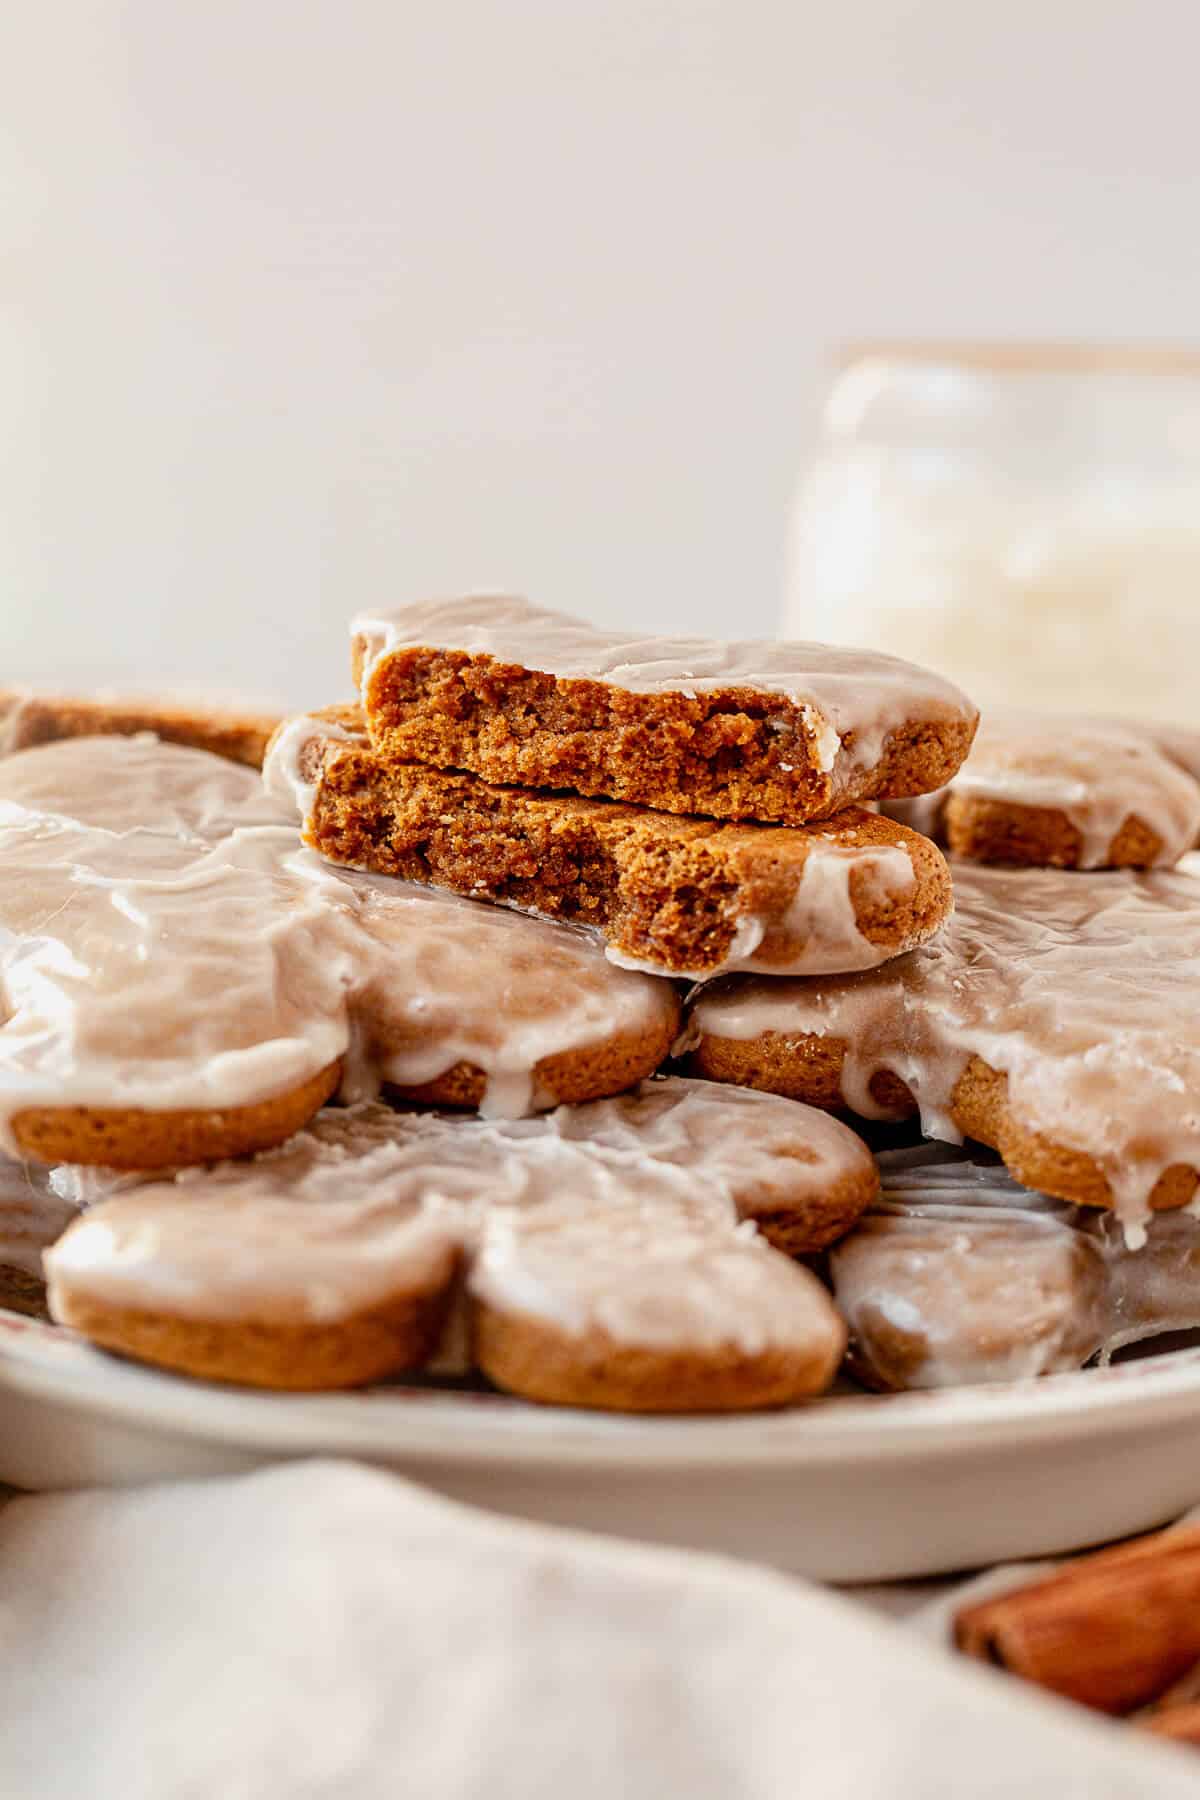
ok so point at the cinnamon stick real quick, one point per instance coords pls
(1185, 1690)
(1182, 1723)
(1111, 1630)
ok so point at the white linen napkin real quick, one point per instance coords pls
(321, 1629)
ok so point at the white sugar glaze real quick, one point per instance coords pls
(1178, 742)
(959, 1274)
(844, 694)
(823, 915)
(624, 1215)
(323, 1227)
(812, 932)
(1098, 773)
(285, 776)
(1081, 988)
(817, 930)
(166, 943)
(155, 952)
(966, 1297)
(442, 980)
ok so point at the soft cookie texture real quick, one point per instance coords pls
(1061, 791)
(615, 1255)
(776, 732)
(1053, 1019)
(679, 896)
(183, 981)
(28, 718)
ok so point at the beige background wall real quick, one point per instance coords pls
(305, 303)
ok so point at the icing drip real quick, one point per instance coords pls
(284, 775)
(961, 1275)
(1080, 988)
(624, 1215)
(823, 914)
(441, 980)
(817, 932)
(748, 935)
(1098, 773)
(845, 694)
(166, 943)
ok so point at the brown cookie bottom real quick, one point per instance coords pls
(28, 719)
(536, 1360)
(807, 1230)
(809, 1068)
(304, 1357)
(997, 831)
(136, 1138)
(566, 1079)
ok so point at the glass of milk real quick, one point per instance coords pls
(1025, 519)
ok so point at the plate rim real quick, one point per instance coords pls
(46, 1361)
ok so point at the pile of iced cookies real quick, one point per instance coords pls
(317, 1076)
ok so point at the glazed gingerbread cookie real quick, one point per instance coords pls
(164, 1001)
(957, 1274)
(674, 896)
(616, 1255)
(28, 718)
(1061, 791)
(1053, 1019)
(184, 982)
(455, 1003)
(776, 732)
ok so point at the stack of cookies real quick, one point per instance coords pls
(353, 1067)
(698, 805)
(1055, 1021)
(188, 987)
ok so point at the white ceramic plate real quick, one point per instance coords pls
(854, 1487)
